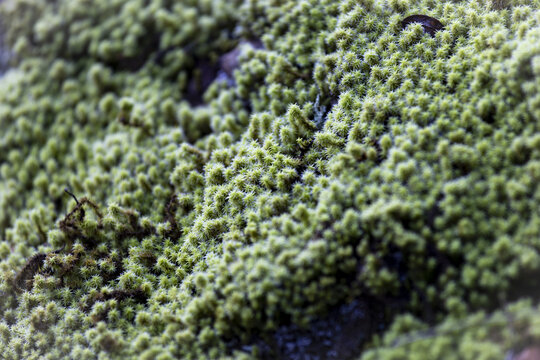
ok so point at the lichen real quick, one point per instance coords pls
(245, 169)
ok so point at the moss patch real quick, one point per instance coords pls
(341, 157)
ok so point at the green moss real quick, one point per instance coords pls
(344, 158)
(478, 336)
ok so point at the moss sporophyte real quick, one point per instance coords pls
(351, 179)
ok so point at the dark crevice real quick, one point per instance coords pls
(5, 53)
(341, 334)
(206, 72)
(201, 77)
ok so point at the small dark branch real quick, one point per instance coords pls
(23, 280)
(170, 214)
(69, 225)
(66, 190)
(79, 209)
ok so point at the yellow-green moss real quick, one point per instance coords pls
(346, 157)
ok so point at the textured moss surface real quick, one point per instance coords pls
(500, 335)
(245, 167)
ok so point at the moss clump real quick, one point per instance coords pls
(343, 157)
(502, 334)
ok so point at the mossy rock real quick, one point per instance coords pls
(249, 177)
